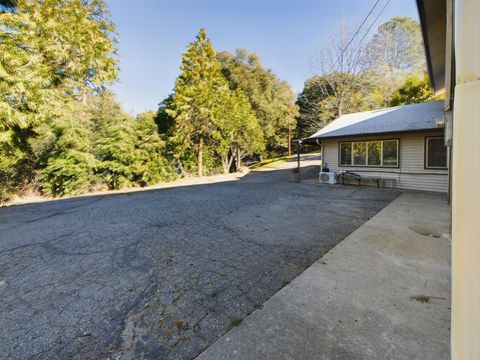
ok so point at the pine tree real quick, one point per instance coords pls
(196, 101)
(114, 142)
(151, 164)
(62, 151)
(45, 65)
(42, 61)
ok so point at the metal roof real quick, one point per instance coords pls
(406, 118)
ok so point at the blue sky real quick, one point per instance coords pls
(284, 33)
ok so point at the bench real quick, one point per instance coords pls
(380, 181)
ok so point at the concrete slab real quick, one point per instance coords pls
(363, 299)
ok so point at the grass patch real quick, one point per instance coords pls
(236, 322)
(270, 163)
(181, 325)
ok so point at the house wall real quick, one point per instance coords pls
(465, 181)
(411, 173)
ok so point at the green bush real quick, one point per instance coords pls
(69, 174)
(115, 151)
(151, 166)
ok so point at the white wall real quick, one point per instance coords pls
(465, 181)
(410, 175)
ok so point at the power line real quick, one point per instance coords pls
(369, 28)
(357, 31)
(374, 21)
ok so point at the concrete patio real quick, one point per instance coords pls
(382, 293)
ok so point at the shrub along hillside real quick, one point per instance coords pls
(63, 133)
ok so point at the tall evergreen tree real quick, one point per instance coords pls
(151, 163)
(114, 142)
(163, 119)
(62, 151)
(42, 61)
(46, 66)
(197, 100)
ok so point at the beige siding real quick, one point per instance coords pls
(411, 174)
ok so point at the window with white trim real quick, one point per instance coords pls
(435, 153)
(377, 153)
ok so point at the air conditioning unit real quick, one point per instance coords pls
(327, 178)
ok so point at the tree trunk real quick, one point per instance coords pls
(230, 162)
(227, 162)
(226, 168)
(238, 162)
(200, 156)
(340, 106)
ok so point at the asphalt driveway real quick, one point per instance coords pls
(161, 274)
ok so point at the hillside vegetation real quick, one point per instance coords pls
(62, 132)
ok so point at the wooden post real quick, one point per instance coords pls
(299, 149)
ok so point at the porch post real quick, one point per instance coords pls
(299, 149)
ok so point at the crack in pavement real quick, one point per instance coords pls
(162, 274)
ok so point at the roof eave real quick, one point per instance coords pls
(432, 15)
(423, 24)
(326, 137)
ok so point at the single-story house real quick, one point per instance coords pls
(403, 143)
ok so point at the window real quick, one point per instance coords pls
(359, 153)
(435, 153)
(390, 153)
(380, 153)
(375, 153)
(346, 153)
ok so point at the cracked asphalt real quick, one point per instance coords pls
(161, 274)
